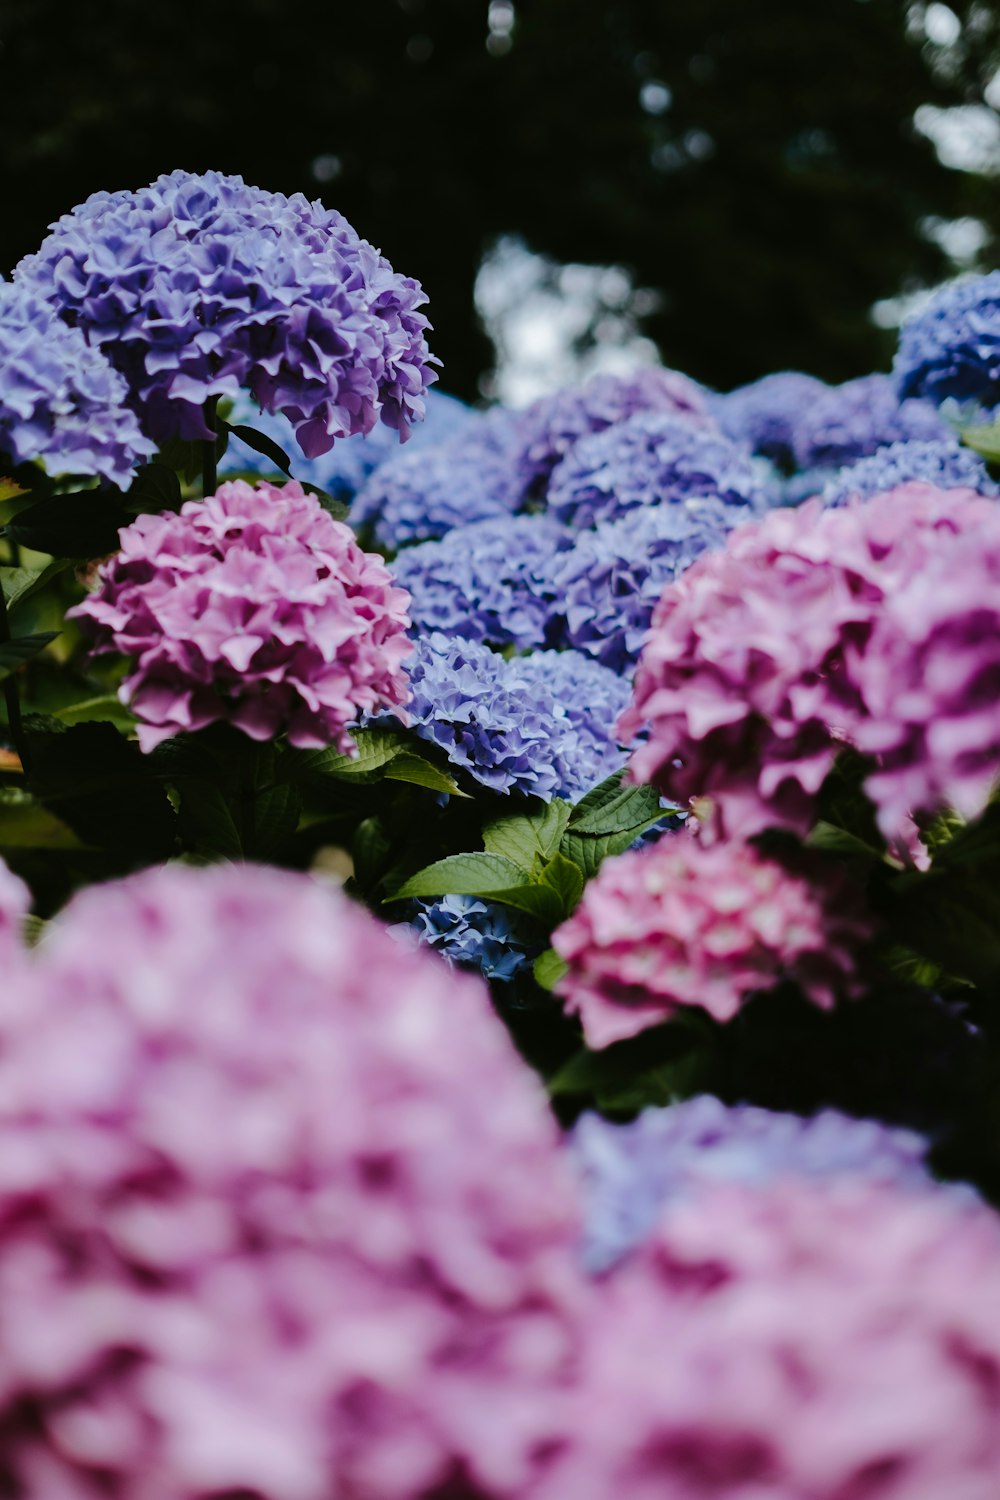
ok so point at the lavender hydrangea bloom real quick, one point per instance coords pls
(200, 284)
(498, 941)
(651, 459)
(60, 400)
(952, 347)
(258, 1234)
(422, 495)
(252, 607)
(630, 1172)
(945, 464)
(766, 415)
(517, 725)
(550, 426)
(490, 581)
(609, 582)
(850, 421)
(344, 470)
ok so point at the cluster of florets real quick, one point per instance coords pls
(491, 581)
(422, 494)
(551, 426)
(943, 463)
(606, 586)
(651, 459)
(630, 1173)
(254, 608)
(344, 469)
(822, 1339)
(951, 348)
(258, 1233)
(685, 923)
(765, 657)
(61, 402)
(541, 725)
(851, 421)
(200, 284)
(475, 934)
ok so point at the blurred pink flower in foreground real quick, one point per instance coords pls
(255, 607)
(682, 924)
(281, 1210)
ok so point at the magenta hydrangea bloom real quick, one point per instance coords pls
(254, 607)
(550, 426)
(836, 1341)
(750, 680)
(683, 923)
(199, 284)
(258, 1234)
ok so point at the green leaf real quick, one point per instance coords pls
(549, 969)
(371, 847)
(618, 810)
(413, 768)
(983, 439)
(275, 815)
(834, 840)
(261, 443)
(20, 583)
(26, 824)
(563, 877)
(208, 821)
(185, 456)
(491, 876)
(106, 708)
(155, 488)
(660, 1066)
(375, 749)
(85, 524)
(528, 838)
(14, 654)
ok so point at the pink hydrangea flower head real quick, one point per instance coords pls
(684, 923)
(254, 607)
(281, 1210)
(833, 1340)
(749, 680)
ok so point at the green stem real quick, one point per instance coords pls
(11, 695)
(209, 462)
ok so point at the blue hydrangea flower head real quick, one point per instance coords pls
(507, 723)
(424, 493)
(651, 458)
(765, 415)
(592, 698)
(488, 581)
(345, 468)
(610, 580)
(945, 464)
(550, 426)
(630, 1172)
(497, 940)
(850, 421)
(951, 348)
(200, 284)
(60, 400)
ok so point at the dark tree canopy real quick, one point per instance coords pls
(770, 189)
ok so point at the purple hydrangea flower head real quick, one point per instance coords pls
(61, 402)
(951, 348)
(253, 607)
(517, 725)
(497, 940)
(825, 1338)
(550, 426)
(684, 923)
(200, 284)
(649, 459)
(765, 416)
(609, 582)
(257, 1233)
(489, 581)
(421, 495)
(631, 1172)
(850, 421)
(751, 679)
(944, 463)
(345, 468)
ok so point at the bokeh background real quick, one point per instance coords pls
(737, 187)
